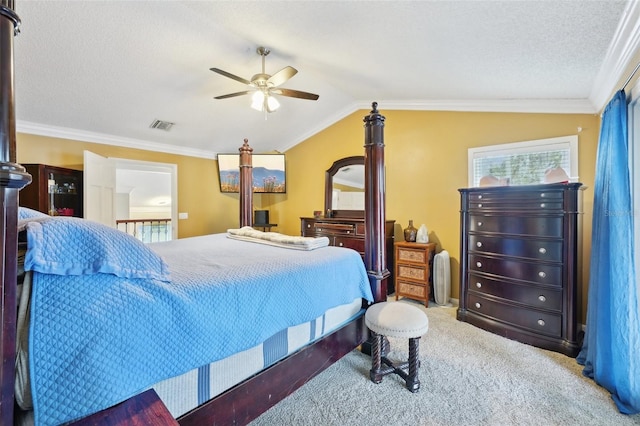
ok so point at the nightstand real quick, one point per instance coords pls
(413, 264)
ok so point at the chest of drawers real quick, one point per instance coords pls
(413, 267)
(349, 233)
(519, 255)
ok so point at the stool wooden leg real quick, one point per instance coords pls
(385, 346)
(412, 381)
(376, 362)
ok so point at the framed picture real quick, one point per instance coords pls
(268, 173)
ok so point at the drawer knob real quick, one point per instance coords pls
(542, 205)
(308, 225)
(479, 205)
(479, 244)
(478, 305)
(348, 232)
(479, 264)
(542, 250)
(542, 298)
(480, 197)
(320, 229)
(340, 244)
(479, 223)
(542, 274)
(479, 285)
(542, 195)
(541, 322)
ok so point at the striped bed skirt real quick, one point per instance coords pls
(183, 393)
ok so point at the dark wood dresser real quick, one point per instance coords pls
(349, 233)
(519, 263)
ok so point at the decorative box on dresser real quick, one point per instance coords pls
(519, 263)
(349, 233)
(413, 266)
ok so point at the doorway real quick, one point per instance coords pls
(145, 192)
(122, 190)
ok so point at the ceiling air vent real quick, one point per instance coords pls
(161, 125)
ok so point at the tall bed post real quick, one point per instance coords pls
(246, 184)
(12, 178)
(374, 201)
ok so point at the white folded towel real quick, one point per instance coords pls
(247, 233)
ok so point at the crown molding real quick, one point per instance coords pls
(624, 46)
(105, 139)
(555, 106)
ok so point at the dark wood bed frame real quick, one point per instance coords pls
(249, 399)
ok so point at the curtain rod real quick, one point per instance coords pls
(631, 76)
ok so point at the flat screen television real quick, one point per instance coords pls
(268, 173)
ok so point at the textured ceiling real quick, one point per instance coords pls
(104, 70)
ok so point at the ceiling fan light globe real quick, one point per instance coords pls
(257, 101)
(272, 103)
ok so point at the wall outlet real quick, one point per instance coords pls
(183, 215)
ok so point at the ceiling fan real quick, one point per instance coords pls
(264, 86)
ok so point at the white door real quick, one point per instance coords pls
(99, 189)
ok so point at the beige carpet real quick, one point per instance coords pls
(469, 377)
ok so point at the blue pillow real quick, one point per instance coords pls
(25, 213)
(74, 246)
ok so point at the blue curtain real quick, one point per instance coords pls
(611, 349)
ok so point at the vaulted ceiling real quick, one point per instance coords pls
(103, 71)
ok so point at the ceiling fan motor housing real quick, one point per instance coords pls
(261, 80)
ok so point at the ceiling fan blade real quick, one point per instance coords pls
(296, 94)
(281, 76)
(233, 95)
(231, 76)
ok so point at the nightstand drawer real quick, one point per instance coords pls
(412, 290)
(413, 272)
(405, 254)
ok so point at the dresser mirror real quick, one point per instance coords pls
(344, 188)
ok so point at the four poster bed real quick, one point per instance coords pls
(159, 287)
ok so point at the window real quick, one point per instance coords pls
(524, 163)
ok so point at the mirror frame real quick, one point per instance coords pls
(328, 187)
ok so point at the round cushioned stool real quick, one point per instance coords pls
(396, 319)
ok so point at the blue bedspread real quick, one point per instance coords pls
(98, 338)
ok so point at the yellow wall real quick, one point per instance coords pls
(426, 163)
(198, 185)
